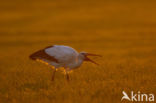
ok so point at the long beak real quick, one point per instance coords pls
(90, 54)
(88, 59)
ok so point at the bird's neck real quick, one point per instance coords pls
(77, 63)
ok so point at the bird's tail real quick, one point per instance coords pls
(36, 55)
(32, 56)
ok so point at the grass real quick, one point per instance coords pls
(124, 32)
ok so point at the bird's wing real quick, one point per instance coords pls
(63, 54)
(42, 55)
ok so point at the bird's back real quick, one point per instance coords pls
(64, 54)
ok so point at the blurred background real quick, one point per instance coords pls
(124, 32)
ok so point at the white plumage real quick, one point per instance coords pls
(62, 56)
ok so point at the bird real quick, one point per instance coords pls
(58, 56)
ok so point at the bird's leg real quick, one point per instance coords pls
(53, 75)
(67, 73)
(67, 76)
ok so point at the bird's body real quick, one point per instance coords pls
(66, 56)
(62, 56)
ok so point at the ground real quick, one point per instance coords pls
(123, 32)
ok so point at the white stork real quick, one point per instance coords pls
(62, 56)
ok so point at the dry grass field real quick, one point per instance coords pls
(123, 31)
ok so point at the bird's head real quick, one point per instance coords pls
(84, 56)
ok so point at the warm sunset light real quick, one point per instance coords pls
(77, 51)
